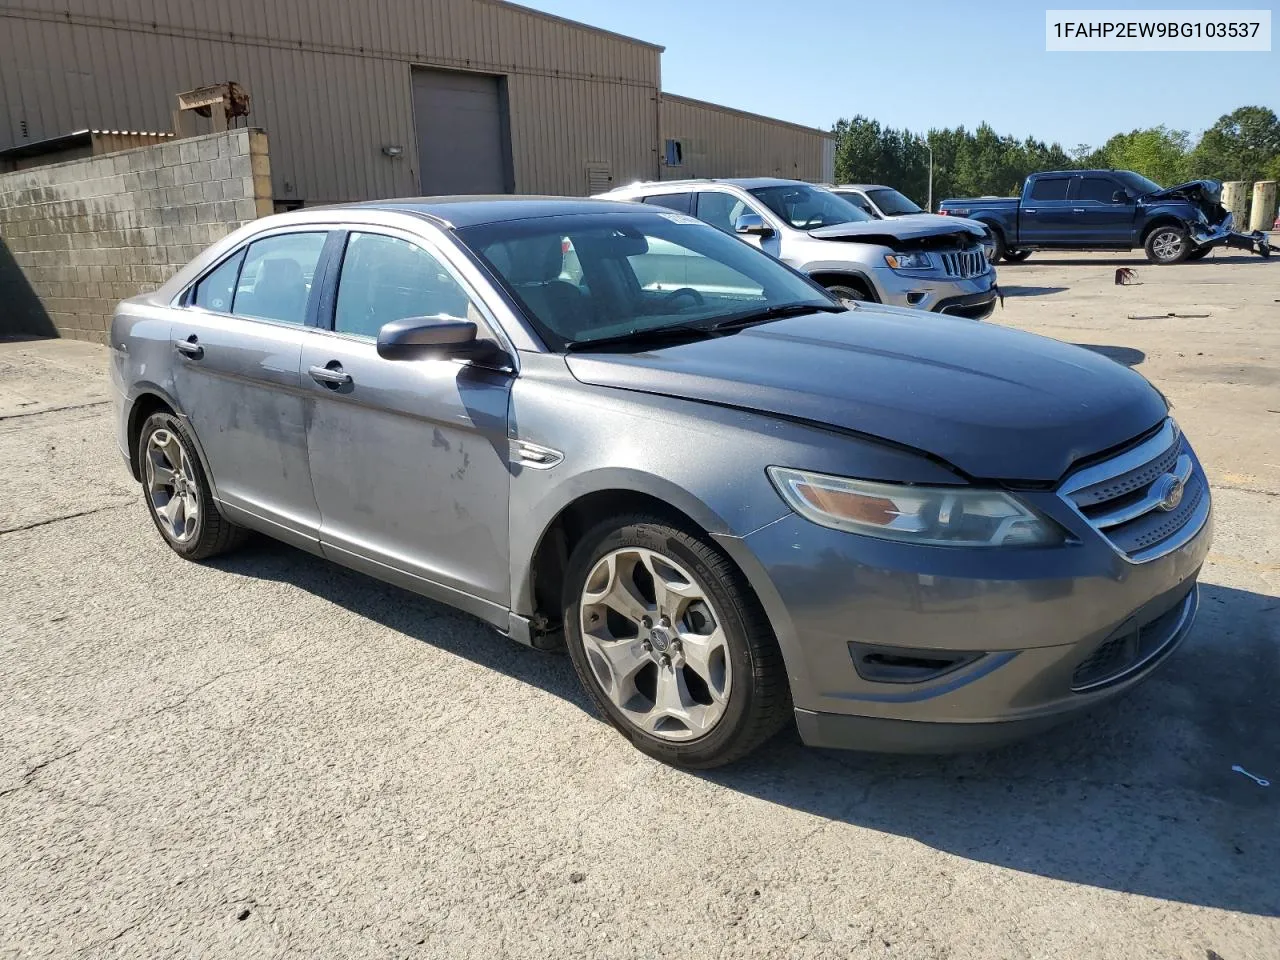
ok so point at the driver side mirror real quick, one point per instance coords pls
(1120, 196)
(752, 224)
(441, 336)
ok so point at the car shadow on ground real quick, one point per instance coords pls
(1131, 261)
(1023, 291)
(1129, 356)
(1138, 796)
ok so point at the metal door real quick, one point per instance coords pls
(463, 134)
(1045, 217)
(1099, 218)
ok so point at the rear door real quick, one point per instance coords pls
(1100, 218)
(1045, 216)
(409, 458)
(238, 344)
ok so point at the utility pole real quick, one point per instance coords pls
(929, 204)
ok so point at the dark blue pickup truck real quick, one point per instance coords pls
(1107, 210)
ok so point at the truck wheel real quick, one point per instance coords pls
(998, 250)
(1168, 244)
(1199, 253)
(671, 644)
(1016, 256)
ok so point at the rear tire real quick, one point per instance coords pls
(704, 683)
(177, 491)
(1016, 256)
(1167, 244)
(998, 249)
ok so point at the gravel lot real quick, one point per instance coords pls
(270, 756)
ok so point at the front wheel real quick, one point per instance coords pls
(1016, 256)
(1199, 253)
(1168, 244)
(671, 644)
(845, 292)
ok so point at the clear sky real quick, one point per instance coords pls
(931, 63)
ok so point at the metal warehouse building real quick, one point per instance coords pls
(385, 98)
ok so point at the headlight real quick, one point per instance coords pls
(909, 261)
(936, 516)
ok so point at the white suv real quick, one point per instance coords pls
(926, 262)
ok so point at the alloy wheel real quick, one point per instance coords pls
(655, 644)
(1166, 245)
(172, 486)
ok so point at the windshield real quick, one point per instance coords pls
(1137, 183)
(892, 203)
(603, 276)
(806, 208)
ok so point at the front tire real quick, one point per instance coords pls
(1199, 253)
(846, 292)
(671, 644)
(1167, 244)
(177, 491)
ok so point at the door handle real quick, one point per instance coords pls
(189, 347)
(330, 376)
(1078, 210)
(1025, 210)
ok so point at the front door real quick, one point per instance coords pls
(409, 458)
(1102, 218)
(237, 347)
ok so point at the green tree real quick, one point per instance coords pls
(1242, 145)
(1157, 153)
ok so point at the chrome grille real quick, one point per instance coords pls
(965, 263)
(1124, 498)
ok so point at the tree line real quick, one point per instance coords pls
(1242, 145)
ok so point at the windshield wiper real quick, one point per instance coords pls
(779, 312)
(678, 331)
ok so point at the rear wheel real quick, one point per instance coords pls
(178, 495)
(1016, 256)
(1168, 244)
(671, 644)
(996, 252)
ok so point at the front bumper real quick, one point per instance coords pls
(973, 297)
(1221, 235)
(1025, 627)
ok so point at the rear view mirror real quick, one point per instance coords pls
(414, 337)
(752, 224)
(1120, 196)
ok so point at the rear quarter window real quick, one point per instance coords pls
(217, 288)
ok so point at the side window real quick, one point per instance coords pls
(385, 278)
(218, 287)
(1050, 188)
(859, 201)
(680, 202)
(1097, 189)
(721, 210)
(276, 279)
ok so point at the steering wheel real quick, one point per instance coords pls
(698, 299)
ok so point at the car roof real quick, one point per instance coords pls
(861, 186)
(747, 183)
(468, 211)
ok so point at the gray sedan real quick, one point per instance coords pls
(735, 500)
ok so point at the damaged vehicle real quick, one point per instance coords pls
(1108, 210)
(924, 262)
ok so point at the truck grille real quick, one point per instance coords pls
(1148, 500)
(965, 263)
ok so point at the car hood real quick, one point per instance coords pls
(995, 403)
(914, 226)
(1193, 190)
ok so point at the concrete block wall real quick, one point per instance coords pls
(78, 237)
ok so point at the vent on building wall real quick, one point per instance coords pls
(26, 134)
(599, 178)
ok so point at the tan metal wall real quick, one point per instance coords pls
(721, 142)
(330, 81)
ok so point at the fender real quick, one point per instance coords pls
(842, 268)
